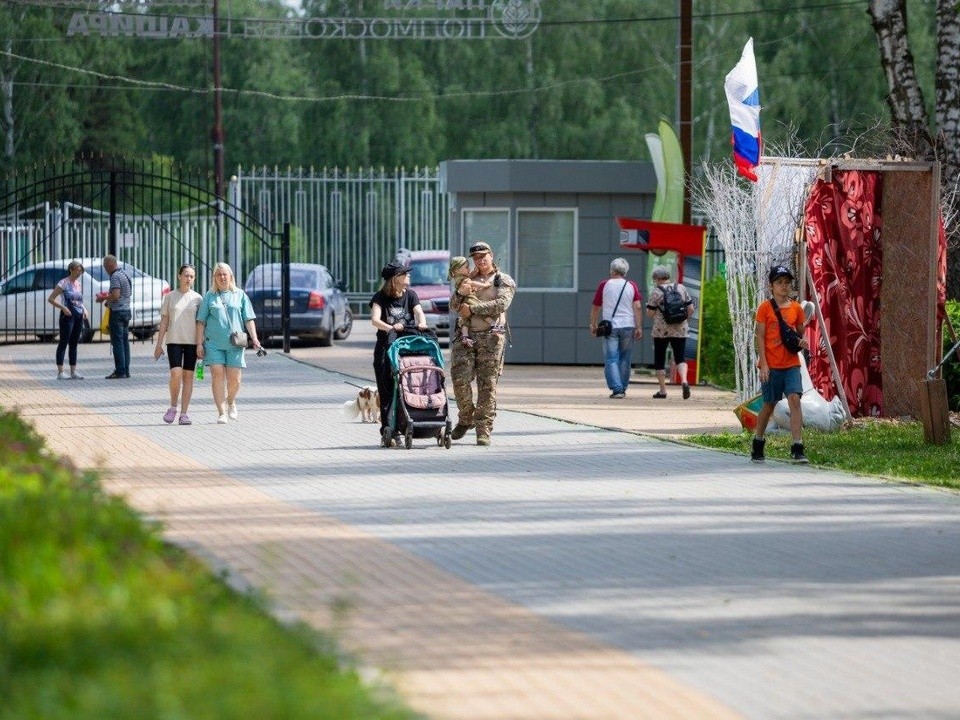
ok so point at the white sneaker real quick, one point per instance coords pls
(222, 420)
(76, 376)
(232, 411)
(61, 376)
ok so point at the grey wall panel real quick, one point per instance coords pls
(594, 235)
(631, 206)
(559, 346)
(565, 200)
(593, 269)
(498, 200)
(526, 310)
(549, 176)
(594, 206)
(560, 310)
(527, 346)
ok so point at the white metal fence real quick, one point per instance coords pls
(351, 222)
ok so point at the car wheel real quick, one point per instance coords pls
(86, 335)
(143, 333)
(326, 339)
(344, 332)
(46, 337)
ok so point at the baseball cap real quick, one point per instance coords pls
(392, 269)
(779, 271)
(480, 247)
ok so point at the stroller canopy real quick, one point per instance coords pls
(414, 345)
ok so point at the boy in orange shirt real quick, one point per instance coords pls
(779, 367)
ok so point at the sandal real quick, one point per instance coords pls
(659, 395)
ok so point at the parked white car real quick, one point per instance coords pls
(24, 310)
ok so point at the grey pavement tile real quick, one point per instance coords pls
(784, 592)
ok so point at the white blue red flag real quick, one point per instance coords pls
(743, 97)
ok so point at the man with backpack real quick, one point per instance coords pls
(670, 306)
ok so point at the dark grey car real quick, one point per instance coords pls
(319, 311)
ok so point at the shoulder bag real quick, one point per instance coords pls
(238, 338)
(788, 336)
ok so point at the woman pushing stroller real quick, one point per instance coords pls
(395, 308)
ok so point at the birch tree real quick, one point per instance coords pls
(908, 111)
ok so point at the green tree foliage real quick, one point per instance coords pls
(588, 83)
(716, 350)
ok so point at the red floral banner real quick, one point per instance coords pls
(844, 253)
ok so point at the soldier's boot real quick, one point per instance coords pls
(483, 436)
(459, 431)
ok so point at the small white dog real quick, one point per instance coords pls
(366, 406)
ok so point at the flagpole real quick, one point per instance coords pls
(685, 98)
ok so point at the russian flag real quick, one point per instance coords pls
(743, 97)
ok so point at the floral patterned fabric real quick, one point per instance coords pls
(844, 253)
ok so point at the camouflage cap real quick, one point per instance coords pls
(456, 262)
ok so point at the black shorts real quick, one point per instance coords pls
(182, 356)
(679, 346)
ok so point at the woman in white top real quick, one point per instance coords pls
(178, 326)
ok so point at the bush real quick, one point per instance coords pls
(717, 360)
(100, 619)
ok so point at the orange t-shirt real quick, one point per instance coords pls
(777, 355)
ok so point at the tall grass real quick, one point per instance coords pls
(100, 619)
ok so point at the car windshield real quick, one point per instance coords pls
(428, 272)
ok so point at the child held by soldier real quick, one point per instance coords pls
(466, 287)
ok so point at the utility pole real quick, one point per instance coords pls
(685, 98)
(217, 132)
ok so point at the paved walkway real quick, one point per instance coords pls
(568, 571)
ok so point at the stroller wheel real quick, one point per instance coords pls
(385, 438)
(409, 439)
(439, 438)
(446, 441)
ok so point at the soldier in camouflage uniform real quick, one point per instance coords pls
(483, 361)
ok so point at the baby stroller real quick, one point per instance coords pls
(419, 406)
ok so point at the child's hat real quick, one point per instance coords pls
(456, 263)
(779, 271)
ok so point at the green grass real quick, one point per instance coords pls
(880, 448)
(99, 618)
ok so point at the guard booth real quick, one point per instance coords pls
(553, 227)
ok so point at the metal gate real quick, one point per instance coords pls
(151, 214)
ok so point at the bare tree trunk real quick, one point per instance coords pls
(948, 126)
(905, 98)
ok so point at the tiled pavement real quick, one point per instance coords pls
(565, 572)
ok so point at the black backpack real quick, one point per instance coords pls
(673, 307)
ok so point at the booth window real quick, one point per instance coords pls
(492, 227)
(546, 249)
